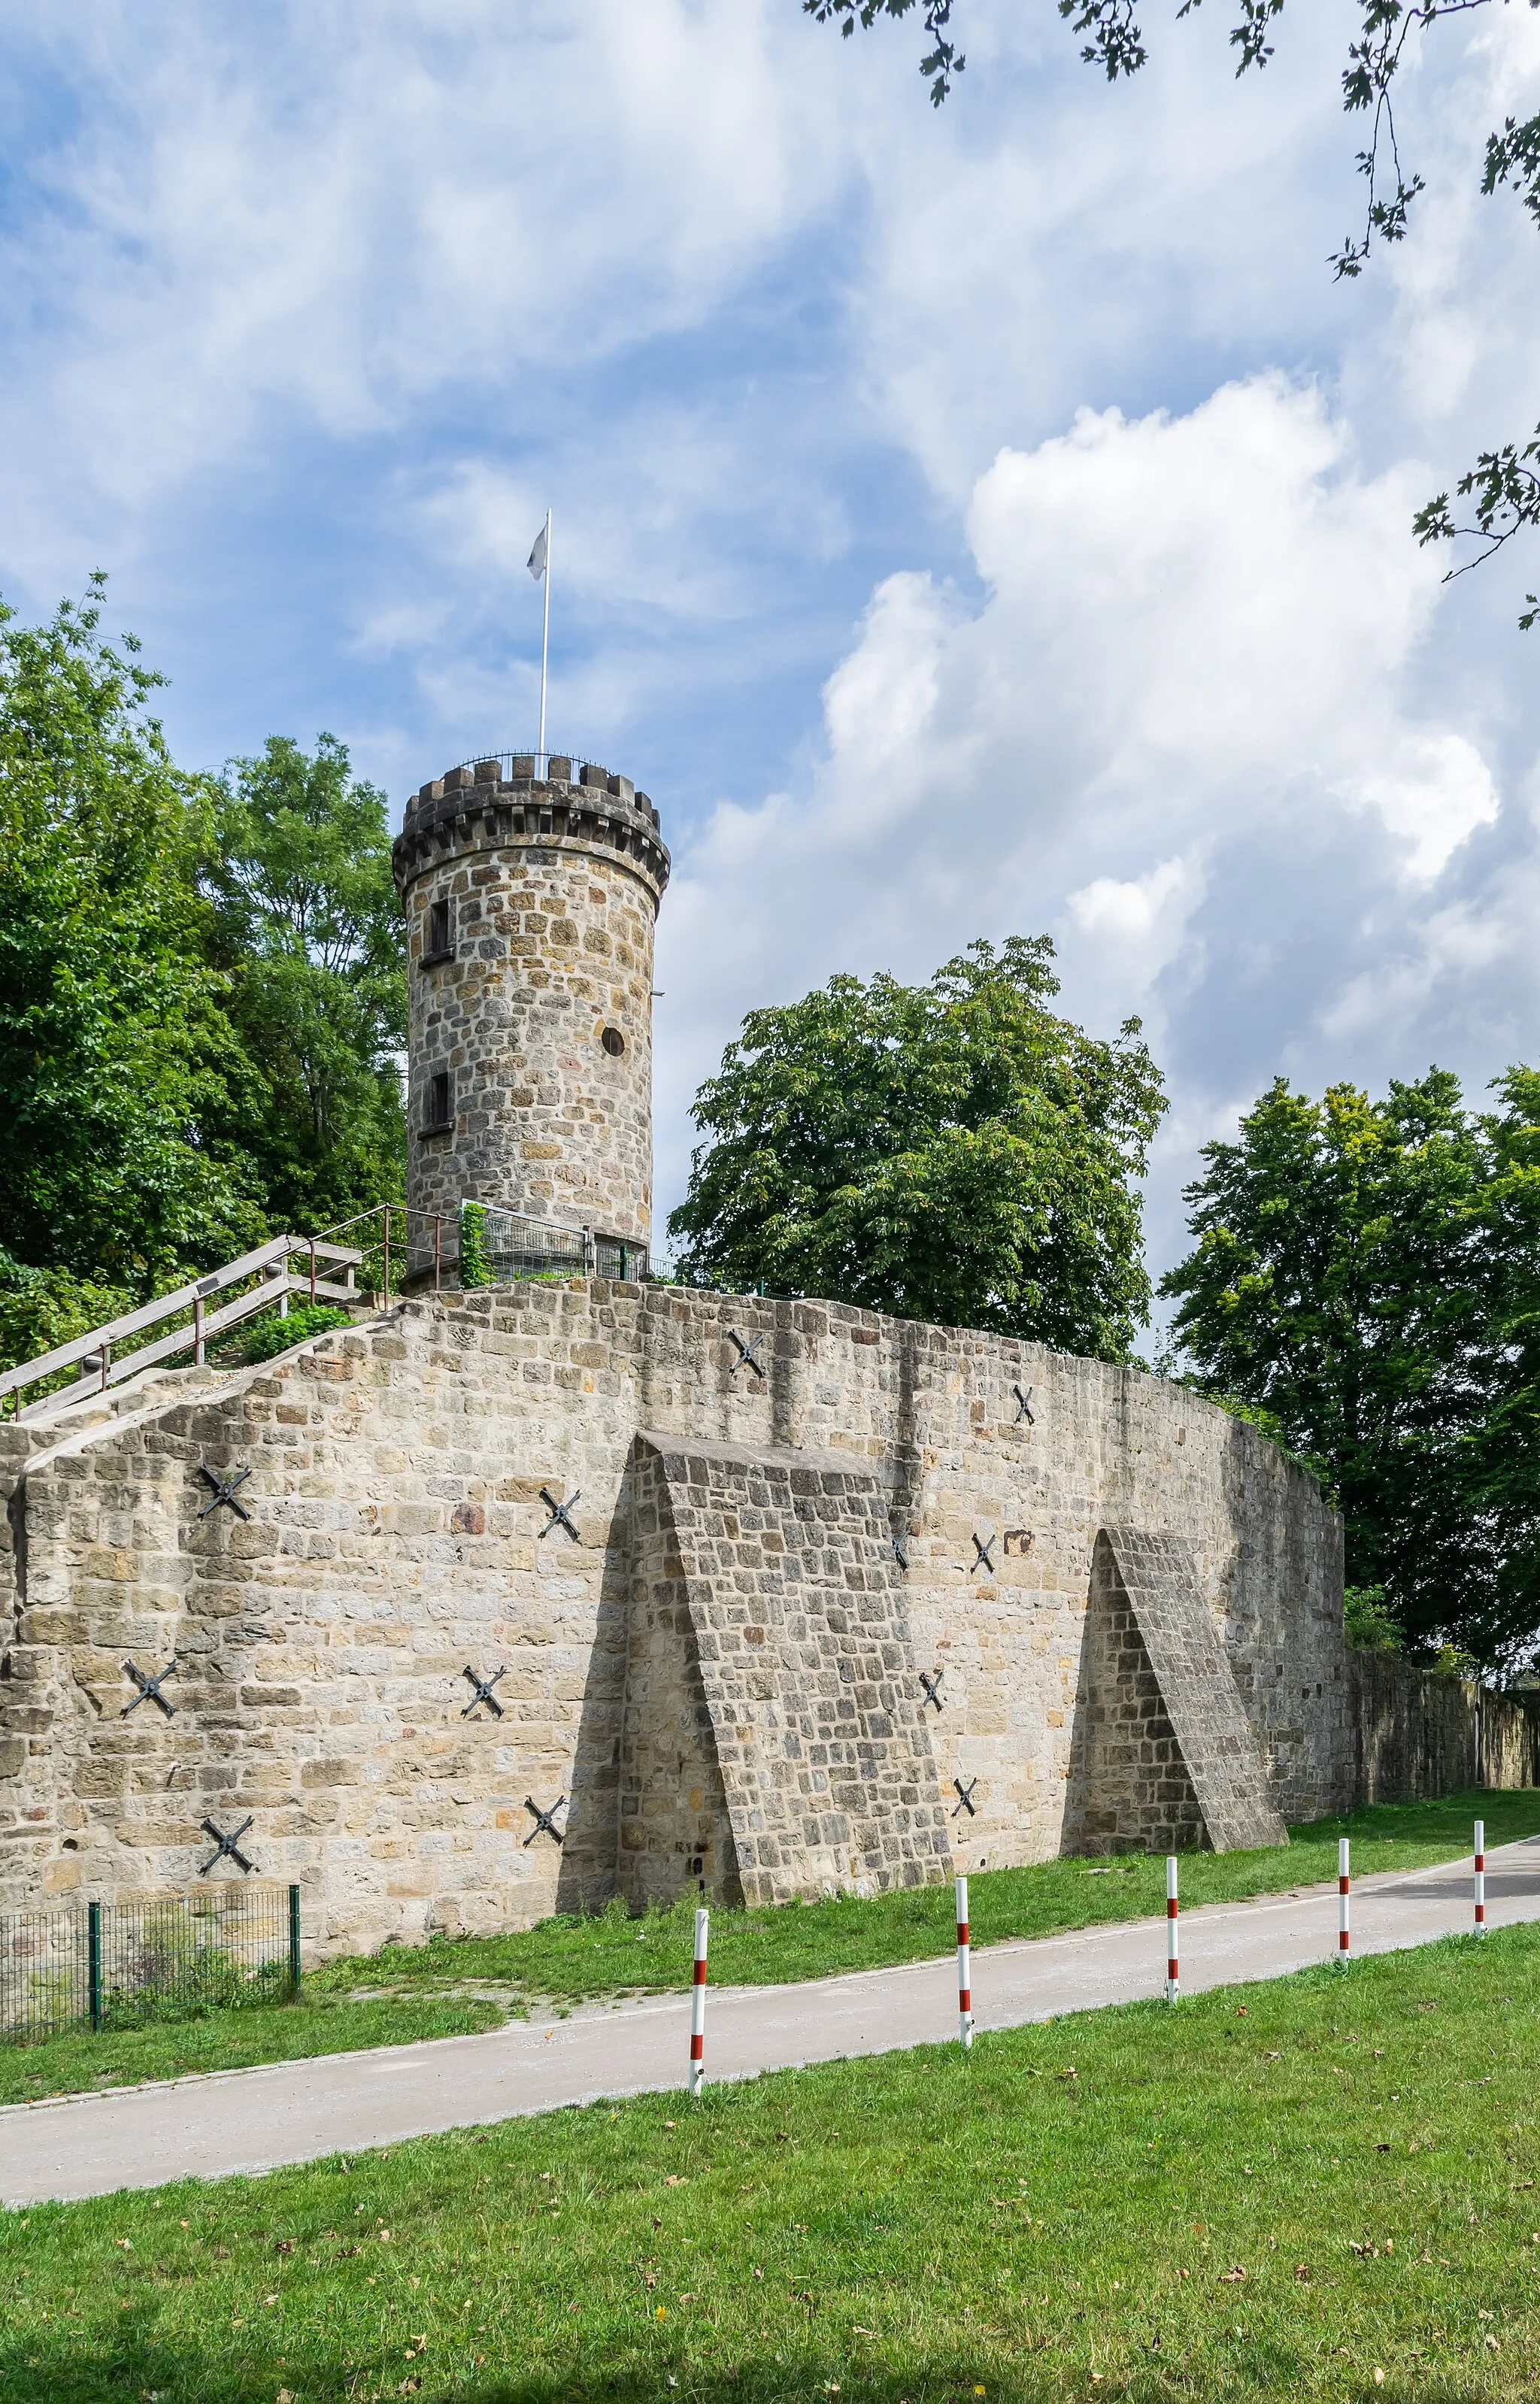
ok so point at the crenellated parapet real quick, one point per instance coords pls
(500, 800)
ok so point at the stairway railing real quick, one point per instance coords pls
(102, 1365)
(423, 1246)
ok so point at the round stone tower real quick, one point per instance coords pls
(530, 907)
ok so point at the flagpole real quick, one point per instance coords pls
(545, 648)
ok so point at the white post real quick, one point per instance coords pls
(697, 2006)
(1480, 1877)
(965, 1992)
(1173, 1986)
(541, 763)
(1344, 1939)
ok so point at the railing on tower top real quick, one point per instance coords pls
(511, 763)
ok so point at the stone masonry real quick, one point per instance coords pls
(1165, 1751)
(771, 1575)
(400, 1534)
(531, 907)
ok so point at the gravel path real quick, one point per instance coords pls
(250, 2121)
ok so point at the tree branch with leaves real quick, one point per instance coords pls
(1503, 486)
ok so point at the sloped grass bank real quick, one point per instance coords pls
(1323, 2187)
(573, 1959)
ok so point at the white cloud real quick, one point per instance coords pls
(1034, 435)
(1186, 729)
(1438, 791)
(1144, 918)
(289, 211)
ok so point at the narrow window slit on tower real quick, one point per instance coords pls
(438, 1113)
(440, 930)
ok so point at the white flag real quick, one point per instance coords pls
(536, 557)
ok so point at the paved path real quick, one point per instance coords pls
(250, 2121)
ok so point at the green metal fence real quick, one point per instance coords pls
(120, 1965)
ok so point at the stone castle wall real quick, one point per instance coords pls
(1418, 1735)
(531, 908)
(401, 1531)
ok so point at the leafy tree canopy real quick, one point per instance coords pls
(1503, 489)
(111, 1031)
(202, 990)
(952, 1152)
(1366, 1280)
(310, 925)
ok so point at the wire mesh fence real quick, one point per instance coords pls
(122, 1964)
(518, 1247)
(499, 1247)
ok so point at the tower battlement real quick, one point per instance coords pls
(531, 902)
(500, 799)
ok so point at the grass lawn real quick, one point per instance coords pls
(235, 2039)
(573, 1959)
(450, 1986)
(1323, 2187)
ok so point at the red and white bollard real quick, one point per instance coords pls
(965, 1990)
(1344, 1934)
(1480, 1877)
(697, 2007)
(1173, 1976)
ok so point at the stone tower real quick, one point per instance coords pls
(530, 908)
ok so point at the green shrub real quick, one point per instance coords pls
(269, 1334)
(1371, 1626)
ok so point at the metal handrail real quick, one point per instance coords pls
(95, 1354)
(94, 1349)
(505, 759)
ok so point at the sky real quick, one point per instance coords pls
(967, 522)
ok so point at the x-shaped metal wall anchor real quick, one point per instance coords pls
(544, 1820)
(483, 1693)
(1023, 1405)
(981, 1553)
(224, 1490)
(230, 1845)
(559, 1513)
(901, 1551)
(933, 1689)
(149, 1688)
(965, 1798)
(746, 1354)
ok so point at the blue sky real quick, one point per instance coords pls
(967, 522)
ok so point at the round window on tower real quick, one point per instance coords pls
(613, 1042)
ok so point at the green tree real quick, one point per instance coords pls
(111, 1034)
(952, 1152)
(1359, 1274)
(1504, 1471)
(310, 929)
(1504, 487)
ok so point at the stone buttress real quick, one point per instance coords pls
(769, 1579)
(1166, 1757)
